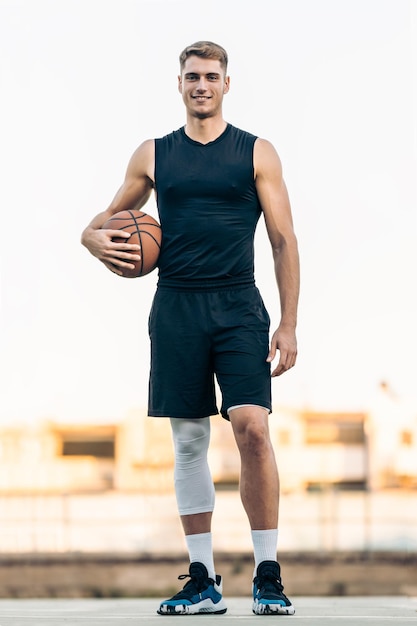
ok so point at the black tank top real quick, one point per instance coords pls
(208, 208)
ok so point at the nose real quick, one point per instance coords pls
(201, 86)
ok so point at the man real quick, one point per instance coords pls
(212, 182)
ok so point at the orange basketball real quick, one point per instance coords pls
(146, 232)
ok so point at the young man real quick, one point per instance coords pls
(213, 181)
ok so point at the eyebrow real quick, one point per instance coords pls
(188, 74)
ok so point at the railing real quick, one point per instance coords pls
(142, 523)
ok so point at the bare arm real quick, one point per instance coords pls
(275, 204)
(134, 193)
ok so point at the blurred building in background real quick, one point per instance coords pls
(346, 481)
(373, 450)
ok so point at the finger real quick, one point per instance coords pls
(120, 259)
(130, 248)
(117, 233)
(120, 263)
(119, 255)
(280, 369)
(284, 364)
(271, 354)
(120, 245)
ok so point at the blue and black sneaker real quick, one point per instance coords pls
(201, 594)
(268, 596)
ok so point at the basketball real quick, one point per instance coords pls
(145, 231)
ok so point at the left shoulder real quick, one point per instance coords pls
(265, 158)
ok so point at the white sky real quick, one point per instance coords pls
(332, 83)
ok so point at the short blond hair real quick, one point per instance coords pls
(205, 50)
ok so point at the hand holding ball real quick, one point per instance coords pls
(146, 232)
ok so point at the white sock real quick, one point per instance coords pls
(264, 545)
(200, 548)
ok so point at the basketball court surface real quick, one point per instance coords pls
(369, 611)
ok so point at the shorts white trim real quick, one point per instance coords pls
(239, 406)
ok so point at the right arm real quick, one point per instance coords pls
(133, 194)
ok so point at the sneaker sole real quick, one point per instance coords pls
(202, 608)
(272, 609)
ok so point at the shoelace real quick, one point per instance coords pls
(196, 583)
(268, 583)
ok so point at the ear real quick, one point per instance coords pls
(226, 84)
(179, 84)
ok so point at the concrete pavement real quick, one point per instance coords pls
(311, 611)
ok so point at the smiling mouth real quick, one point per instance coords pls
(201, 98)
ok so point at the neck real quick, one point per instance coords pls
(205, 130)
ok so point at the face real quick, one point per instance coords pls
(203, 84)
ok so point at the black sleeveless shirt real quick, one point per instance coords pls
(208, 209)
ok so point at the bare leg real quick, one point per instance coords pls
(196, 523)
(259, 480)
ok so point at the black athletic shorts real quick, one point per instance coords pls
(196, 335)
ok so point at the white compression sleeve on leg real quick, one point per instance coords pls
(193, 483)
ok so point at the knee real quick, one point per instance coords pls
(252, 436)
(191, 437)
